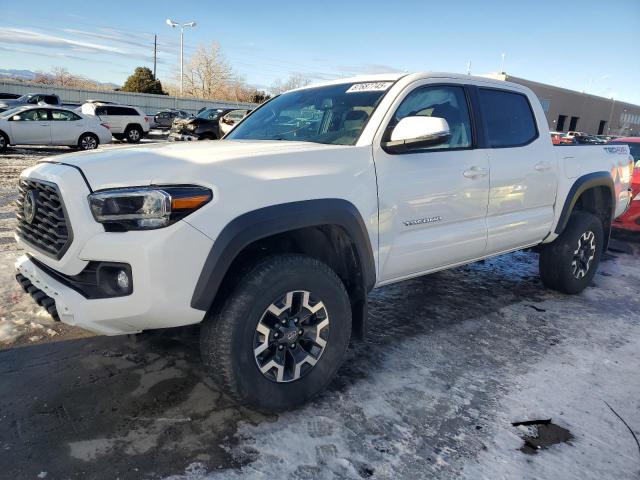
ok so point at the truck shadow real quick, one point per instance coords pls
(144, 405)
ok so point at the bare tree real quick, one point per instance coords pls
(294, 81)
(207, 73)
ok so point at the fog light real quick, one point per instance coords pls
(122, 280)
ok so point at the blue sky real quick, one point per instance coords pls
(587, 46)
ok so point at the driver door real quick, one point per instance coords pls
(31, 127)
(432, 201)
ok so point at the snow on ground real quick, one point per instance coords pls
(440, 404)
(21, 320)
(451, 360)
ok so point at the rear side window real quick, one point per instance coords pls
(121, 111)
(50, 99)
(64, 116)
(508, 118)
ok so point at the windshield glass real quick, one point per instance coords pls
(335, 114)
(209, 114)
(25, 97)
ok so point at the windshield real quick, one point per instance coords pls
(335, 114)
(209, 114)
(25, 98)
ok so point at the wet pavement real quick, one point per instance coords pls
(419, 399)
(451, 361)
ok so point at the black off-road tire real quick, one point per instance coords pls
(557, 269)
(133, 134)
(227, 336)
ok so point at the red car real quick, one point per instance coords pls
(631, 219)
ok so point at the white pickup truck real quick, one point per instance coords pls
(273, 237)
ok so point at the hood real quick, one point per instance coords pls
(8, 103)
(179, 162)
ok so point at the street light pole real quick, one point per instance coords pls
(173, 24)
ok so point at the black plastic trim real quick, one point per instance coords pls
(41, 298)
(70, 235)
(264, 222)
(591, 180)
(89, 282)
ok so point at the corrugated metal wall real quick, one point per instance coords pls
(149, 103)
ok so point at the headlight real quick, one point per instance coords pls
(146, 208)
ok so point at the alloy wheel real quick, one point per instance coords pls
(88, 143)
(134, 134)
(584, 254)
(291, 336)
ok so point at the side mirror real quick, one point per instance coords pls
(16, 118)
(413, 133)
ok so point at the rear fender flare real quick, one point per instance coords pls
(581, 185)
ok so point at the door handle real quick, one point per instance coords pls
(542, 166)
(475, 172)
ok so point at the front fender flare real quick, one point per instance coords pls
(265, 222)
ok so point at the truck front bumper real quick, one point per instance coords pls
(165, 265)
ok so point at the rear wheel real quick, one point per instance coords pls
(133, 134)
(281, 335)
(569, 263)
(88, 141)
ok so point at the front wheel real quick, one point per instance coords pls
(4, 142)
(569, 263)
(281, 335)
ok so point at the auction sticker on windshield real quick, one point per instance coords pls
(369, 87)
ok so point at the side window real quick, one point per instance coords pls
(448, 102)
(34, 100)
(50, 100)
(509, 120)
(101, 111)
(114, 111)
(63, 116)
(34, 115)
(129, 111)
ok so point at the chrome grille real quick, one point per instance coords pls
(48, 230)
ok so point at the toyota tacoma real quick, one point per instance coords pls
(273, 237)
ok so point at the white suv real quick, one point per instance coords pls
(125, 122)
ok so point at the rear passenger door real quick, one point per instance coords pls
(523, 171)
(65, 127)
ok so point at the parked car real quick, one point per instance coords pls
(273, 237)
(125, 122)
(631, 219)
(165, 118)
(9, 96)
(30, 99)
(38, 125)
(210, 124)
(560, 138)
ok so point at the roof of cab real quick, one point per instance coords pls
(395, 76)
